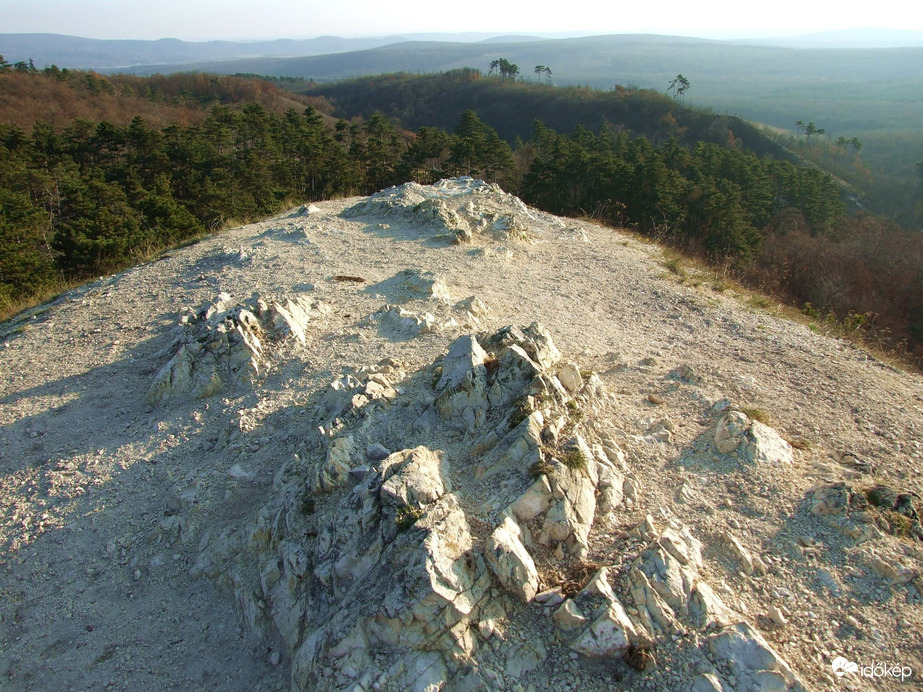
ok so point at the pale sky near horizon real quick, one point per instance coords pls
(199, 20)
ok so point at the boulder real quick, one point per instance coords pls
(568, 616)
(573, 507)
(570, 377)
(515, 371)
(394, 320)
(748, 564)
(414, 477)
(422, 589)
(730, 432)
(474, 310)
(334, 473)
(511, 562)
(755, 442)
(754, 663)
(610, 634)
(706, 682)
(667, 586)
(462, 387)
(535, 500)
(426, 284)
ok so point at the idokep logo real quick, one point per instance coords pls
(843, 666)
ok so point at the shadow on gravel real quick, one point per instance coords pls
(97, 535)
(826, 557)
(408, 231)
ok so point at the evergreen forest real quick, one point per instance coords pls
(85, 192)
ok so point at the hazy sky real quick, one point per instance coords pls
(248, 19)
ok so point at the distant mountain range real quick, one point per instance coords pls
(87, 53)
(847, 38)
(847, 90)
(173, 54)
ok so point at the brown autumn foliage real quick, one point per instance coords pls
(866, 275)
(59, 97)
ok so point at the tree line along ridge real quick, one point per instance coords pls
(94, 197)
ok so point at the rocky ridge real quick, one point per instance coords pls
(450, 442)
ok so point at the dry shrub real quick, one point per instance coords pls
(867, 273)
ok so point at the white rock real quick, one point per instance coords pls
(776, 615)
(511, 562)
(748, 564)
(568, 617)
(426, 284)
(730, 431)
(570, 377)
(221, 344)
(749, 656)
(238, 472)
(535, 500)
(758, 443)
(765, 445)
(611, 633)
(706, 682)
(463, 385)
(415, 476)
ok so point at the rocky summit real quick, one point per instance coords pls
(434, 439)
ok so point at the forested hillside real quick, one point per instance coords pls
(58, 96)
(511, 107)
(85, 196)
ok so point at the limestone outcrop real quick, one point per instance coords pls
(460, 209)
(392, 570)
(228, 344)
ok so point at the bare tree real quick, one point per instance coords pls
(678, 87)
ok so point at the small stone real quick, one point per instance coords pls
(239, 473)
(550, 597)
(376, 452)
(776, 615)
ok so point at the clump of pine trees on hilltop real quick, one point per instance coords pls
(86, 197)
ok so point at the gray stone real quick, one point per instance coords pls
(756, 665)
(415, 476)
(376, 452)
(511, 562)
(706, 682)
